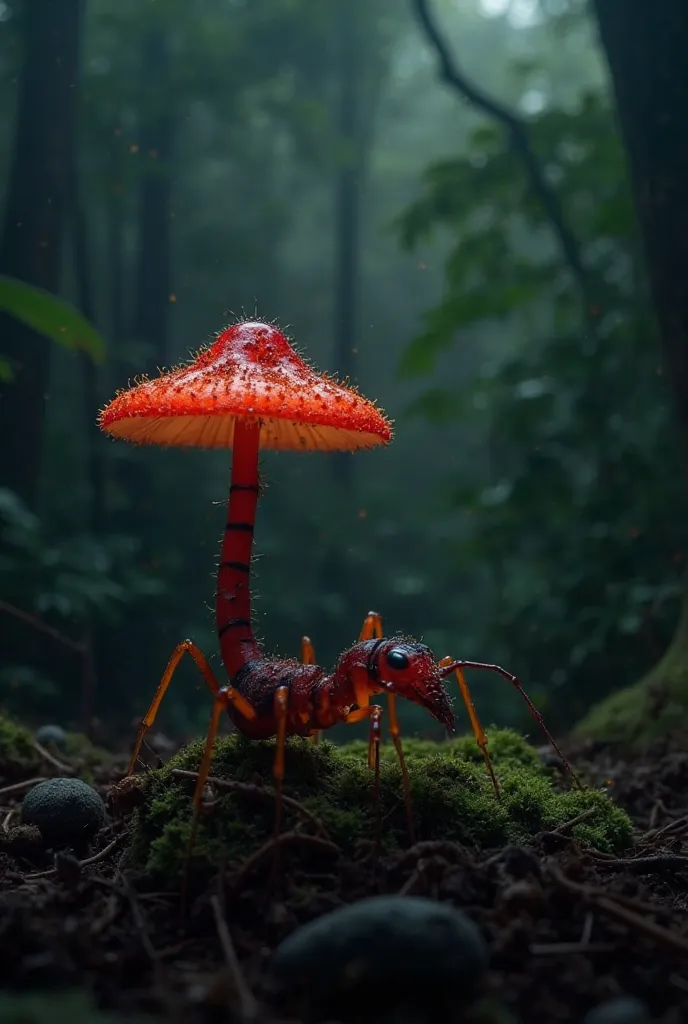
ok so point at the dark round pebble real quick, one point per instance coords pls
(621, 1010)
(52, 735)
(382, 950)
(68, 812)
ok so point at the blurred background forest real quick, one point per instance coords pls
(432, 199)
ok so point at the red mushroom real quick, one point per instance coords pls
(248, 390)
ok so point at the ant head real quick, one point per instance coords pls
(409, 670)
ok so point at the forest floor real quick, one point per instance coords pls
(567, 927)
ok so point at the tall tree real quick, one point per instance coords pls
(646, 46)
(32, 231)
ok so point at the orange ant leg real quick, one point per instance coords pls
(203, 773)
(372, 629)
(395, 733)
(531, 707)
(223, 697)
(281, 710)
(308, 658)
(186, 646)
(478, 731)
(374, 713)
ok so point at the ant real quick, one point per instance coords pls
(283, 697)
(280, 697)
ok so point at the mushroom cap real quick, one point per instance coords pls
(250, 372)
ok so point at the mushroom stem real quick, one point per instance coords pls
(233, 603)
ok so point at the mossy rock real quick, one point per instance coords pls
(452, 799)
(649, 709)
(18, 756)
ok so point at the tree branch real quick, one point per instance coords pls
(520, 141)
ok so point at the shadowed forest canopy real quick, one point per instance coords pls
(433, 198)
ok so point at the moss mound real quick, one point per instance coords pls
(452, 799)
(652, 707)
(18, 756)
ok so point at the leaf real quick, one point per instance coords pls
(50, 316)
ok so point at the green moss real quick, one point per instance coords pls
(17, 752)
(650, 708)
(452, 799)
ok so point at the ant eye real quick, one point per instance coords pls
(397, 659)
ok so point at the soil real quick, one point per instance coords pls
(567, 927)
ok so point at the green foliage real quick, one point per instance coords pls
(51, 316)
(452, 799)
(73, 577)
(577, 513)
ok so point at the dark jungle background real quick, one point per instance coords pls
(434, 199)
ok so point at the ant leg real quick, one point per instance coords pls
(281, 710)
(206, 671)
(225, 696)
(372, 627)
(308, 658)
(478, 731)
(374, 713)
(395, 733)
(531, 707)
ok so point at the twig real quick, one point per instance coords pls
(262, 793)
(547, 197)
(43, 627)
(51, 759)
(158, 968)
(567, 948)
(673, 829)
(413, 879)
(659, 863)
(8, 819)
(101, 855)
(285, 839)
(17, 787)
(80, 647)
(587, 928)
(247, 1001)
(565, 826)
(609, 906)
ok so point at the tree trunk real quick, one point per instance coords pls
(31, 239)
(646, 45)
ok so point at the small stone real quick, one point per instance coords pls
(620, 1010)
(22, 841)
(52, 736)
(68, 812)
(382, 950)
